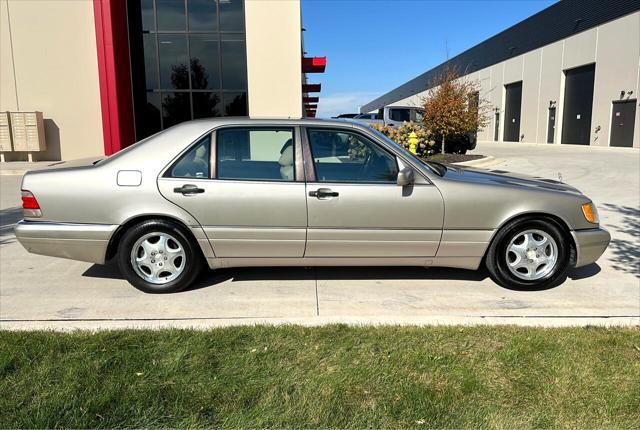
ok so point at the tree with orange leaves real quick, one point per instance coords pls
(453, 108)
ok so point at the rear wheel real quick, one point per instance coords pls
(530, 254)
(157, 256)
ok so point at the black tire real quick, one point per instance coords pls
(190, 266)
(496, 258)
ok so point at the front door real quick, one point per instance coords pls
(623, 118)
(355, 207)
(243, 186)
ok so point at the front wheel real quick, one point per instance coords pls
(156, 256)
(529, 254)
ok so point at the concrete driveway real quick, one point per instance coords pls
(43, 292)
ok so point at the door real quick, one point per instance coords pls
(578, 101)
(623, 118)
(356, 209)
(245, 187)
(513, 105)
(551, 125)
(496, 127)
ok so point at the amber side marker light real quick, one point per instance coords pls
(590, 213)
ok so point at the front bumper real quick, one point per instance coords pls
(590, 245)
(84, 242)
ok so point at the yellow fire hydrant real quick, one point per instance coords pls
(413, 142)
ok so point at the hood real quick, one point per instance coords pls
(502, 177)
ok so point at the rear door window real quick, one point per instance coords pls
(257, 154)
(195, 163)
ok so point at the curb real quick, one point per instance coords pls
(428, 321)
(482, 162)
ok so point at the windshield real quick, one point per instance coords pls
(436, 168)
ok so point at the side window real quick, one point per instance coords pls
(399, 114)
(257, 154)
(195, 163)
(342, 156)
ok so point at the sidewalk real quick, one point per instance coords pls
(21, 167)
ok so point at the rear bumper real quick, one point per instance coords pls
(590, 245)
(84, 242)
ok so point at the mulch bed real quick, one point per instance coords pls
(453, 158)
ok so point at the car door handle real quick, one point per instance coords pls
(188, 189)
(323, 192)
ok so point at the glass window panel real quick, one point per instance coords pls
(148, 20)
(235, 104)
(206, 105)
(149, 123)
(195, 163)
(203, 15)
(255, 154)
(171, 15)
(205, 57)
(175, 108)
(234, 65)
(174, 70)
(150, 61)
(231, 15)
(348, 157)
(400, 114)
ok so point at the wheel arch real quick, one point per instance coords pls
(558, 221)
(112, 247)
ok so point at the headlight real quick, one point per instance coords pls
(590, 212)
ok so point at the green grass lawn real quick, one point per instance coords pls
(334, 376)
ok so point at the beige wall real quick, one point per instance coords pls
(274, 65)
(614, 47)
(49, 63)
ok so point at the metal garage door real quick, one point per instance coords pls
(578, 102)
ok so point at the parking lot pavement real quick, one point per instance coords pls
(44, 292)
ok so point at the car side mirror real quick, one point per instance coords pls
(405, 177)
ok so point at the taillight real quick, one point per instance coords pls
(30, 206)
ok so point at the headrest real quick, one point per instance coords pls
(286, 154)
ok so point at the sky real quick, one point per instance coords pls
(373, 46)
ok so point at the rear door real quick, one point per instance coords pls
(245, 186)
(356, 209)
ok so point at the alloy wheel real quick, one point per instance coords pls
(531, 255)
(158, 258)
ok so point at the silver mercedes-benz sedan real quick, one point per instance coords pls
(246, 192)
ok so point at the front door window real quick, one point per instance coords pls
(341, 156)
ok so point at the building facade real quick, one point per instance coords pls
(567, 75)
(107, 73)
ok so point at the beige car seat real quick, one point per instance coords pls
(286, 161)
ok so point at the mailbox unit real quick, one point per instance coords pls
(27, 130)
(5, 133)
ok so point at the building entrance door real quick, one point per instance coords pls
(551, 125)
(513, 104)
(623, 118)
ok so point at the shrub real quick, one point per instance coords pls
(400, 135)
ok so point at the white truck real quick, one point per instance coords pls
(396, 115)
(391, 115)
